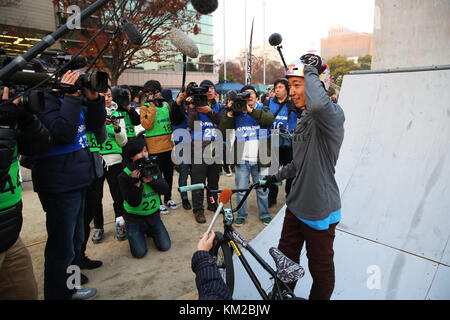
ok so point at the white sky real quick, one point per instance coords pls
(301, 23)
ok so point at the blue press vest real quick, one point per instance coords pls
(248, 128)
(208, 128)
(183, 125)
(79, 143)
(282, 117)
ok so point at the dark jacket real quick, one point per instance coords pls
(264, 117)
(210, 284)
(133, 194)
(32, 139)
(74, 170)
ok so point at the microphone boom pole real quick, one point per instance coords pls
(46, 42)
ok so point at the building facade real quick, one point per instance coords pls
(344, 42)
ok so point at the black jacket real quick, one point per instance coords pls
(133, 194)
(32, 138)
(74, 170)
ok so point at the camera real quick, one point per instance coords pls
(53, 62)
(114, 118)
(198, 94)
(239, 105)
(120, 96)
(147, 167)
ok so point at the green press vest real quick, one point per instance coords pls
(110, 145)
(131, 133)
(162, 125)
(12, 189)
(150, 200)
(92, 141)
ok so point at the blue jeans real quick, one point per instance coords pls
(65, 231)
(151, 225)
(242, 178)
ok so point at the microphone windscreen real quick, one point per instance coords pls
(183, 43)
(275, 39)
(132, 32)
(77, 63)
(27, 78)
(225, 195)
(205, 6)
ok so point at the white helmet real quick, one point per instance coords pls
(295, 69)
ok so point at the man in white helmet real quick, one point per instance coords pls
(313, 205)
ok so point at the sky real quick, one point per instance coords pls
(301, 23)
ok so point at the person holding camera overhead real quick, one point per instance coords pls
(247, 117)
(20, 133)
(61, 176)
(111, 151)
(155, 119)
(208, 114)
(141, 184)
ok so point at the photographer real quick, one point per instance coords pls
(207, 113)
(20, 133)
(111, 151)
(155, 118)
(285, 119)
(121, 95)
(179, 120)
(61, 176)
(314, 204)
(248, 117)
(141, 186)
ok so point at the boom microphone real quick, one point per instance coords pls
(224, 197)
(183, 43)
(275, 39)
(205, 6)
(132, 32)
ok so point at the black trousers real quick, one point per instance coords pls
(199, 174)
(110, 175)
(285, 158)
(165, 164)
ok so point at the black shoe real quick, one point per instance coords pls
(83, 279)
(186, 204)
(89, 264)
(211, 207)
(272, 203)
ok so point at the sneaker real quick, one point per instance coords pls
(266, 221)
(239, 222)
(171, 204)
(186, 204)
(200, 216)
(97, 236)
(163, 209)
(89, 264)
(121, 233)
(84, 293)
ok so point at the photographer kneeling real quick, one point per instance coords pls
(141, 184)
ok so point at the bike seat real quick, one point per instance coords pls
(287, 270)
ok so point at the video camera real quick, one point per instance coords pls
(55, 63)
(197, 93)
(114, 118)
(147, 167)
(239, 105)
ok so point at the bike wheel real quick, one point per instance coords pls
(223, 254)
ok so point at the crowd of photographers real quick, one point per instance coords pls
(84, 137)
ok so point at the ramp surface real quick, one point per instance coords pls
(394, 177)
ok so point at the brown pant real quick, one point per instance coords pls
(17, 281)
(319, 250)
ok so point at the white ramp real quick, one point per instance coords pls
(394, 177)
